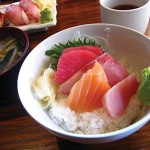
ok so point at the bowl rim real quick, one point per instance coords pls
(23, 53)
(121, 11)
(145, 119)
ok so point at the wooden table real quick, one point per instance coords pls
(19, 131)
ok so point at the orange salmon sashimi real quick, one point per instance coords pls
(86, 94)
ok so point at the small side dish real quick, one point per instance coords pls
(86, 90)
(28, 14)
(10, 51)
(14, 44)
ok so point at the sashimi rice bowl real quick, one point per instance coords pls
(89, 83)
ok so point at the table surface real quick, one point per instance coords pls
(18, 130)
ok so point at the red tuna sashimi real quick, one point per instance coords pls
(32, 11)
(16, 15)
(115, 71)
(71, 62)
(115, 101)
(86, 95)
(95, 49)
(65, 87)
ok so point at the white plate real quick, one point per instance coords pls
(35, 26)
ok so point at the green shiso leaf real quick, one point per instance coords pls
(57, 49)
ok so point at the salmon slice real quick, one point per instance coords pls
(86, 94)
(115, 101)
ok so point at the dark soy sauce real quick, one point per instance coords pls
(125, 7)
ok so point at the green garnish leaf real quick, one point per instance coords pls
(144, 87)
(57, 49)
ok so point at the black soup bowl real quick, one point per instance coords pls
(6, 35)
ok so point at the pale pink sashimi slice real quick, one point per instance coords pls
(16, 15)
(95, 49)
(65, 87)
(86, 95)
(115, 101)
(115, 71)
(32, 11)
(71, 62)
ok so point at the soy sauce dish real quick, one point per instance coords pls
(14, 44)
(69, 112)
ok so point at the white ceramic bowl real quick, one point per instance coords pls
(122, 41)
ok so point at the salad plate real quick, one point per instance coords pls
(34, 26)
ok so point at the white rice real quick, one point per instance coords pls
(95, 122)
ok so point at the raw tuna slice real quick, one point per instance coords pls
(86, 95)
(115, 72)
(115, 101)
(96, 50)
(71, 62)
